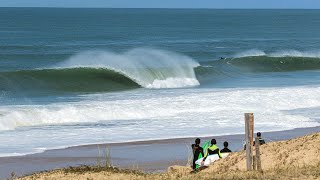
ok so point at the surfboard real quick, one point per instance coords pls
(210, 159)
(199, 157)
(205, 148)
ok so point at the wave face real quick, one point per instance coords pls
(94, 71)
(66, 80)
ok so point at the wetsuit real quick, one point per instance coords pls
(196, 152)
(225, 150)
(213, 149)
(261, 141)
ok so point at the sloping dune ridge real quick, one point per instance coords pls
(295, 152)
(292, 159)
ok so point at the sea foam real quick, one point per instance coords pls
(224, 106)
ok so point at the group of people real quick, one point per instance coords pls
(212, 149)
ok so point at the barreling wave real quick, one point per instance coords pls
(150, 68)
(95, 71)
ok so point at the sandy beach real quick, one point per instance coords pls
(148, 156)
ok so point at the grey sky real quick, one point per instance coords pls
(264, 4)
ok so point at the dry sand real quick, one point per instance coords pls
(292, 159)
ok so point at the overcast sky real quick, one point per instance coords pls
(261, 4)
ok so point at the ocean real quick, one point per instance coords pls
(83, 76)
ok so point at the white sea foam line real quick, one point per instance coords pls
(224, 105)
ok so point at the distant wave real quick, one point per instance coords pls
(259, 61)
(258, 64)
(281, 53)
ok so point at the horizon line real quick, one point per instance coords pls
(177, 8)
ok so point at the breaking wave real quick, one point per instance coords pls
(93, 71)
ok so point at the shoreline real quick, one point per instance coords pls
(149, 156)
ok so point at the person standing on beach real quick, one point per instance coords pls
(197, 150)
(261, 141)
(225, 149)
(213, 149)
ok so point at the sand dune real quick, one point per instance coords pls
(295, 152)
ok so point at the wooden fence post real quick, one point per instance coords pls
(258, 159)
(254, 162)
(249, 121)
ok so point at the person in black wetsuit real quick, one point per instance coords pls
(225, 149)
(260, 139)
(196, 149)
(213, 149)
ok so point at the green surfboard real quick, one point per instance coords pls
(205, 148)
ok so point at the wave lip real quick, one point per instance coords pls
(150, 68)
(250, 53)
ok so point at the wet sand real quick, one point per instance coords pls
(149, 156)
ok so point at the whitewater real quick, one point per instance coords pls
(149, 115)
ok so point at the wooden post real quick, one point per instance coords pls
(257, 145)
(249, 121)
(254, 162)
